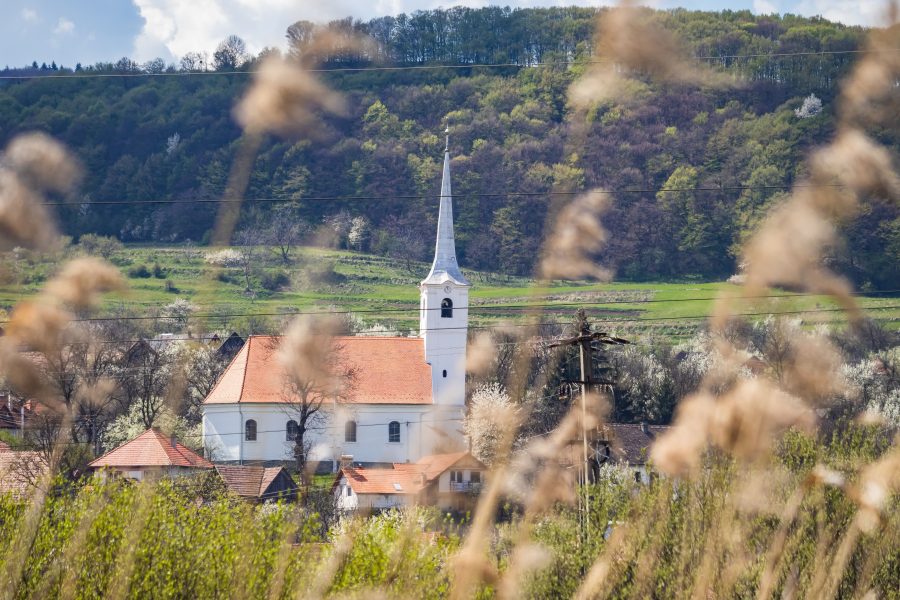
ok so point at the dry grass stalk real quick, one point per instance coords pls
(628, 40)
(83, 280)
(23, 219)
(42, 162)
(304, 352)
(871, 85)
(480, 354)
(877, 482)
(286, 99)
(576, 235)
(859, 164)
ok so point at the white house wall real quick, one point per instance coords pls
(424, 429)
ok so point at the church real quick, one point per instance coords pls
(408, 397)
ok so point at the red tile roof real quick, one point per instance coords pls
(388, 370)
(630, 443)
(18, 471)
(152, 449)
(409, 476)
(248, 481)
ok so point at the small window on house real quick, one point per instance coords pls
(447, 308)
(350, 431)
(349, 491)
(292, 430)
(250, 430)
(475, 477)
(445, 373)
(637, 476)
(394, 431)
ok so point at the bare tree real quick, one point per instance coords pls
(285, 230)
(144, 378)
(230, 54)
(314, 377)
(249, 239)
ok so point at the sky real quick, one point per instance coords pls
(105, 30)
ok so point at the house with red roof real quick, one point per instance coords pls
(449, 481)
(258, 484)
(406, 401)
(151, 454)
(20, 471)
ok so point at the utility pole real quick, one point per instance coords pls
(585, 340)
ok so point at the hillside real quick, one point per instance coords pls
(382, 294)
(518, 149)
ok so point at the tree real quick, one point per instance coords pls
(249, 239)
(100, 245)
(193, 61)
(145, 375)
(358, 238)
(285, 230)
(314, 378)
(230, 54)
(490, 415)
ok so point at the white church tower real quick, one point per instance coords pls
(444, 308)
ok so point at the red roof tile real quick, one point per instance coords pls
(248, 481)
(409, 476)
(388, 370)
(18, 470)
(152, 449)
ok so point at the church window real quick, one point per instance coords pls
(445, 373)
(394, 431)
(293, 430)
(446, 308)
(250, 430)
(350, 431)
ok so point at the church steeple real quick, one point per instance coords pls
(445, 268)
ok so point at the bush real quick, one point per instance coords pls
(158, 271)
(273, 281)
(170, 287)
(139, 272)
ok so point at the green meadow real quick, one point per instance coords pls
(383, 291)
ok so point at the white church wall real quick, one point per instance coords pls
(424, 429)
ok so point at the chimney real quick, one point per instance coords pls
(645, 428)
(346, 461)
(174, 442)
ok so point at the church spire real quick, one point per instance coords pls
(445, 266)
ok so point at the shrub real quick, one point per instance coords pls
(139, 272)
(158, 271)
(273, 281)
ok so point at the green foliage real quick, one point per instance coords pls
(511, 131)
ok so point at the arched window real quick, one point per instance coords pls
(350, 431)
(293, 430)
(446, 308)
(250, 430)
(445, 373)
(394, 431)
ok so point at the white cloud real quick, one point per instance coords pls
(175, 27)
(848, 12)
(64, 25)
(29, 15)
(764, 7)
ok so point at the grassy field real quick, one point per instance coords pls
(384, 291)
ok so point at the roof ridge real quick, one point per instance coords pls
(228, 366)
(246, 364)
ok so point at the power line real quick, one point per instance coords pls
(77, 204)
(596, 319)
(476, 309)
(434, 67)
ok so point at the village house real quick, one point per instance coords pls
(258, 484)
(20, 471)
(407, 399)
(626, 445)
(150, 455)
(448, 481)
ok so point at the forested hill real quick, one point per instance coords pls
(152, 138)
